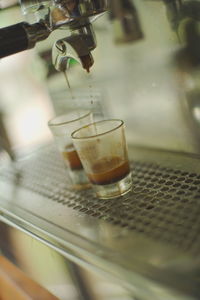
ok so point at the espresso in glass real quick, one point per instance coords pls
(108, 170)
(61, 127)
(71, 157)
(102, 149)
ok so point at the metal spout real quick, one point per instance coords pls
(77, 46)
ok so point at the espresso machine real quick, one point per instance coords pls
(143, 57)
(75, 15)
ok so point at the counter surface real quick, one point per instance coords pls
(148, 240)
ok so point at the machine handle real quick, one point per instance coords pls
(13, 39)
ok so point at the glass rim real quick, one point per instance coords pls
(98, 134)
(51, 124)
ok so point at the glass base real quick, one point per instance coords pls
(79, 180)
(117, 189)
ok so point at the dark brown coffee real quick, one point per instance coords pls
(72, 157)
(109, 170)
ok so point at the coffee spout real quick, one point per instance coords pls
(77, 46)
(87, 62)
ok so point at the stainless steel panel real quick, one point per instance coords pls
(148, 241)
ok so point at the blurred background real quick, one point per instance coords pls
(151, 82)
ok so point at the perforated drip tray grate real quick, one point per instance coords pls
(164, 203)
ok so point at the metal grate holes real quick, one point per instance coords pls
(164, 203)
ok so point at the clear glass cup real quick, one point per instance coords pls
(61, 127)
(102, 149)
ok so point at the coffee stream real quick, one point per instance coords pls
(106, 170)
(72, 94)
(68, 84)
(90, 92)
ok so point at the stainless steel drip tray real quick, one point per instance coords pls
(147, 239)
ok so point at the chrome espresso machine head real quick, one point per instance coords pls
(75, 15)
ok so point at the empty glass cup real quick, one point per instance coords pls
(102, 149)
(61, 128)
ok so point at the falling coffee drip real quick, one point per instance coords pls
(70, 90)
(68, 84)
(91, 94)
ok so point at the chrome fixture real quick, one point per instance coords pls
(81, 42)
(75, 15)
(124, 17)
